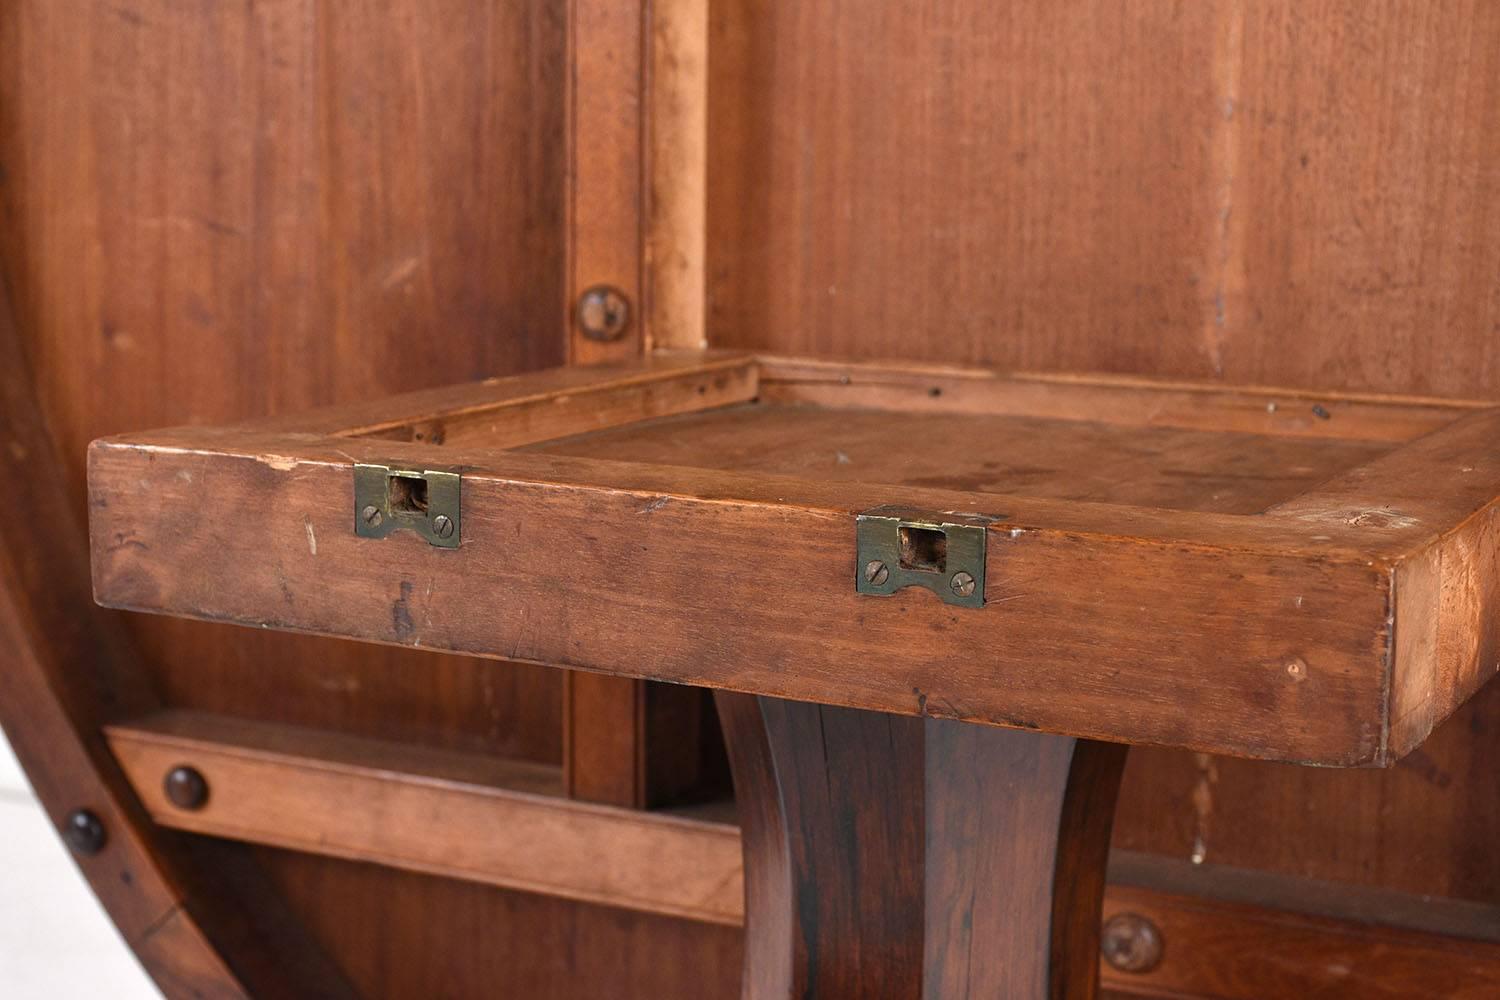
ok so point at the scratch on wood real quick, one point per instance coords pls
(401, 622)
(312, 538)
(1203, 805)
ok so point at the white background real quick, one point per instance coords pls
(55, 941)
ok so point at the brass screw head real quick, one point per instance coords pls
(877, 572)
(962, 584)
(442, 526)
(603, 313)
(84, 832)
(1131, 943)
(372, 516)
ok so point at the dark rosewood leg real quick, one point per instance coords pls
(891, 857)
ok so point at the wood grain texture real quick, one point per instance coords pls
(70, 668)
(512, 944)
(677, 174)
(870, 839)
(1293, 599)
(1003, 455)
(213, 213)
(1156, 511)
(605, 197)
(216, 215)
(1259, 953)
(1279, 193)
(429, 811)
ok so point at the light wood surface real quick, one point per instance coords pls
(461, 816)
(1280, 192)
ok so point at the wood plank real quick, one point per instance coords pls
(1234, 951)
(1294, 669)
(1122, 400)
(404, 415)
(606, 198)
(1011, 456)
(1285, 193)
(68, 669)
(345, 797)
(606, 400)
(677, 174)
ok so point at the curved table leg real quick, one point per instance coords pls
(898, 857)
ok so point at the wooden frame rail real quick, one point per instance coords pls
(1362, 610)
(507, 824)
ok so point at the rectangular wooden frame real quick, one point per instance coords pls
(1336, 628)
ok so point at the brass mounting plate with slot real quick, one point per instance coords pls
(387, 499)
(899, 547)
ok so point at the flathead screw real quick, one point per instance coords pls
(962, 584)
(877, 572)
(442, 526)
(372, 516)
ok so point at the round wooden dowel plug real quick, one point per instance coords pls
(1131, 943)
(186, 788)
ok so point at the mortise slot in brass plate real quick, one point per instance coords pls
(899, 547)
(388, 499)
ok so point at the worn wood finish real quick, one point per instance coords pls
(1300, 671)
(1000, 455)
(1275, 192)
(876, 846)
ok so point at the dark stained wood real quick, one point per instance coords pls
(1257, 953)
(893, 857)
(490, 942)
(1285, 193)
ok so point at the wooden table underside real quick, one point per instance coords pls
(1257, 573)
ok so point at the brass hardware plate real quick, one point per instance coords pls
(899, 547)
(388, 499)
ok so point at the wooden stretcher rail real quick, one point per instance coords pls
(1337, 627)
(505, 823)
(458, 815)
